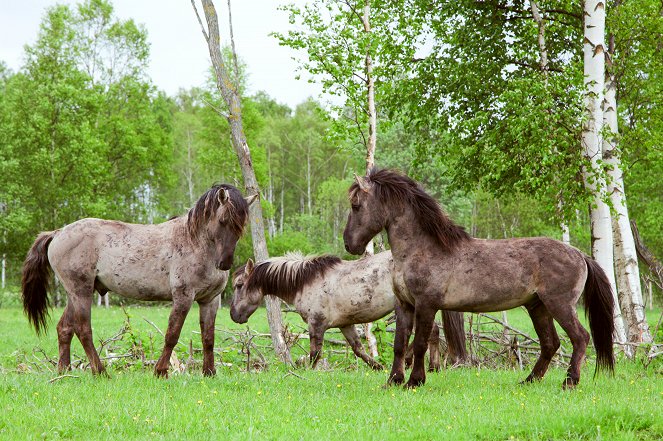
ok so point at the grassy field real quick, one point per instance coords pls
(281, 402)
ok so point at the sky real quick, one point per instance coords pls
(179, 56)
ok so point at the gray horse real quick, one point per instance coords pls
(328, 292)
(184, 260)
(439, 266)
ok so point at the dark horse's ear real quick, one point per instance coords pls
(249, 266)
(362, 183)
(251, 199)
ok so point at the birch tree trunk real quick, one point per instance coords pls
(601, 225)
(238, 138)
(370, 146)
(626, 257)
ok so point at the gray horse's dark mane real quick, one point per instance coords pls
(395, 189)
(286, 276)
(203, 210)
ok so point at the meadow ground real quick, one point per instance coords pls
(282, 402)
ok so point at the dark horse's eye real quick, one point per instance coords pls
(355, 207)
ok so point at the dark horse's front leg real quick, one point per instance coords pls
(404, 315)
(207, 318)
(181, 306)
(424, 317)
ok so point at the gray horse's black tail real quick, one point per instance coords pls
(35, 282)
(600, 308)
(454, 334)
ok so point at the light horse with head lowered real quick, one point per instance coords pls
(441, 267)
(328, 292)
(184, 260)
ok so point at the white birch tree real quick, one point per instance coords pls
(601, 225)
(627, 271)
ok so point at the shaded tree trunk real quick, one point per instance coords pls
(238, 138)
(601, 226)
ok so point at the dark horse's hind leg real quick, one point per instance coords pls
(180, 309)
(65, 334)
(404, 323)
(424, 318)
(434, 363)
(350, 333)
(566, 316)
(207, 318)
(545, 329)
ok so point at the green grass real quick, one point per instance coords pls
(279, 402)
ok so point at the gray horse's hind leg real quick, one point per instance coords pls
(65, 334)
(564, 312)
(207, 318)
(350, 333)
(545, 329)
(180, 309)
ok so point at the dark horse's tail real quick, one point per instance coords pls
(35, 282)
(600, 307)
(454, 333)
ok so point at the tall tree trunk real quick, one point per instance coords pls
(601, 226)
(626, 257)
(189, 169)
(370, 146)
(231, 97)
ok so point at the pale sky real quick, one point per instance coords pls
(179, 56)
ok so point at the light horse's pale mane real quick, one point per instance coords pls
(395, 189)
(236, 213)
(287, 275)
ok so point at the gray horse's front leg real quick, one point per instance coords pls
(316, 332)
(350, 333)
(424, 318)
(404, 315)
(207, 318)
(181, 306)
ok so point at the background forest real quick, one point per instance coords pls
(496, 138)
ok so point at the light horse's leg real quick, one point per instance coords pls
(350, 333)
(80, 306)
(404, 322)
(207, 318)
(424, 318)
(545, 329)
(65, 334)
(181, 306)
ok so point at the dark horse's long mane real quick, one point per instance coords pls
(286, 276)
(395, 189)
(203, 210)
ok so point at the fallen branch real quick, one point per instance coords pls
(53, 380)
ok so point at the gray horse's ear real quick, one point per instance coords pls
(249, 266)
(362, 183)
(223, 196)
(251, 199)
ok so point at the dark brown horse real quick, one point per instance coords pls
(441, 267)
(328, 292)
(184, 260)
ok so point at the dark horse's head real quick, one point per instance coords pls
(383, 195)
(219, 217)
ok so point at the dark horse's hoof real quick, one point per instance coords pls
(415, 382)
(209, 372)
(161, 373)
(395, 379)
(569, 384)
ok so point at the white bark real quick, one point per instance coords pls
(601, 225)
(626, 258)
(4, 265)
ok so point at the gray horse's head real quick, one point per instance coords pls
(219, 217)
(245, 301)
(367, 216)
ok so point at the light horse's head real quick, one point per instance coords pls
(367, 216)
(245, 299)
(218, 217)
